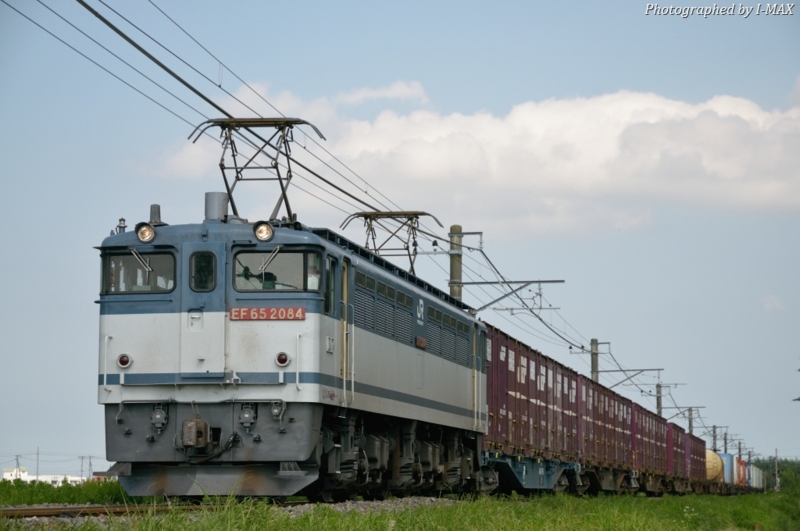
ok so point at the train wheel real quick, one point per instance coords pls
(561, 484)
(381, 495)
(580, 490)
(341, 496)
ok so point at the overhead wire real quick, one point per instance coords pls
(238, 134)
(559, 334)
(521, 326)
(96, 63)
(196, 41)
(152, 81)
(259, 95)
(156, 41)
(121, 59)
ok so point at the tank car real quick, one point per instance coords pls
(273, 359)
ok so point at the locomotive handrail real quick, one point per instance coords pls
(352, 344)
(297, 365)
(474, 396)
(345, 353)
(105, 363)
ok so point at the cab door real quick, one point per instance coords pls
(346, 330)
(203, 310)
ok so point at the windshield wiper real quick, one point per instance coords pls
(144, 261)
(268, 260)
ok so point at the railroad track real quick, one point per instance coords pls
(74, 511)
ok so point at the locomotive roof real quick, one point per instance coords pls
(341, 241)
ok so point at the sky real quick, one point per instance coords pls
(651, 161)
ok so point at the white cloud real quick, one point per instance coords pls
(193, 160)
(560, 165)
(772, 303)
(399, 90)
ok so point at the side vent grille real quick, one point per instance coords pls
(434, 339)
(462, 351)
(448, 344)
(384, 318)
(404, 330)
(364, 310)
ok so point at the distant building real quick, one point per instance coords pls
(21, 473)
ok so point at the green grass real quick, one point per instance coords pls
(100, 492)
(771, 511)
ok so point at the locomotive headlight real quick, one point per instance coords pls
(263, 231)
(145, 232)
(282, 359)
(124, 361)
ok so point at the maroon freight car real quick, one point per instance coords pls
(696, 461)
(604, 433)
(678, 477)
(533, 407)
(548, 421)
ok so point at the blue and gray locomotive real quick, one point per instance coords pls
(273, 359)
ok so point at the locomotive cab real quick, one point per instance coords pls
(206, 336)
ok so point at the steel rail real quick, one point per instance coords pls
(74, 511)
(90, 510)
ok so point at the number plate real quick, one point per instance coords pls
(267, 314)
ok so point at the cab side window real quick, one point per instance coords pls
(330, 286)
(202, 271)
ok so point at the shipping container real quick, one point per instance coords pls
(728, 466)
(740, 472)
(649, 440)
(695, 457)
(532, 401)
(676, 451)
(604, 428)
(755, 477)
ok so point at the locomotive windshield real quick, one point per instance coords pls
(138, 273)
(277, 270)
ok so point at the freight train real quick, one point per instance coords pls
(270, 358)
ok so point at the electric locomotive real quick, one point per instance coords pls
(271, 359)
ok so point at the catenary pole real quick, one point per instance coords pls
(658, 400)
(455, 261)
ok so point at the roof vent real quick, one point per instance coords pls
(216, 206)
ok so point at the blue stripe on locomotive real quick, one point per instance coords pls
(271, 378)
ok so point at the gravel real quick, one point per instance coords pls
(361, 507)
